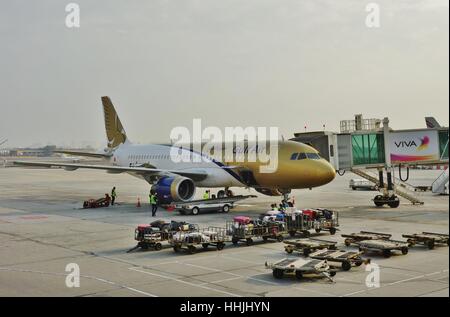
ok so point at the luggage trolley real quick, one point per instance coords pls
(211, 236)
(301, 267)
(346, 259)
(429, 239)
(245, 229)
(306, 246)
(383, 246)
(364, 235)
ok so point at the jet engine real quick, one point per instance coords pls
(173, 189)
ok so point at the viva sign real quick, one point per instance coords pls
(414, 146)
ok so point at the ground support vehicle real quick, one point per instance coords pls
(364, 235)
(342, 258)
(223, 204)
(382, 246)
(211, 236)
(317, 219)
(255, 229)
(301, 268)
(97, 203)
(306, 246)
(326, 220)
(154, 234)
(429, 239)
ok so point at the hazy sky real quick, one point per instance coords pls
(282, 63)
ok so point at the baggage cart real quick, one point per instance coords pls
(382, 246)
(364, 235)
(301, 268)
(429, 239)
(317, 219)
(306, 246)
(344, 259)
(190, 241)
(247, 231)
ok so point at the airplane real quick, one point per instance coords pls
(299, 166)
(432, 123)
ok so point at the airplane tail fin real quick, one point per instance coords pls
(431, 123)
(114, 130)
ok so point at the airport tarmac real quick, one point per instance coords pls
(43, 228)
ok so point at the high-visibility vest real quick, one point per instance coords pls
(152, 199)
(205, 196)
(113, 193)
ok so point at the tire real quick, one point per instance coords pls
(225, 208)
(278, 273)
(387, 253)
(144, 246)
(230, 193)
(358, 263)
(205, 245)
(158, 246)
(430, 244)
(353, 187)
(377, 202)
(306, 251)
(235, 241)
(195, 211)
(264, 239)
(220, 246)
(332, 247)
(292, 233)
(306, 234)
(176, 248)
(220, 194)
(318, 230)
(249, 241)
(298, 275)
(332, 273)
(332, 230)
(404, 250)
(346, 266)
(393, 202)
(347, 242)
(191, 249)
(280, 238)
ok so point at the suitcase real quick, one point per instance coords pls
(242, 220)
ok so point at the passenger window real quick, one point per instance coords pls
(294, 156)
(301, 156)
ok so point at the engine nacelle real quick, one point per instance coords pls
(173, 189)
(269, 191)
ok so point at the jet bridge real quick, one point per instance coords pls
(382, 149)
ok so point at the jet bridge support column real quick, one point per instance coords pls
(388, 197)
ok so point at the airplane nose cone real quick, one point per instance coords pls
(327, 174)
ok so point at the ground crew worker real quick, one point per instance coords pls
(274, 207)
(113, 195)
(206, 195)
(153, 203)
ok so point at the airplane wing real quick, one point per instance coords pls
(195, 176)
(88, 154)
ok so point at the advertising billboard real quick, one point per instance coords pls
(414, 146)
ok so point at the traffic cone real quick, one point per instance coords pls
(138, 202)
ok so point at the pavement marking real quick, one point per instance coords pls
(185, 282)
(221, 281)
(83, 276)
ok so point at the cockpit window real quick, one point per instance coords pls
(313, 156)
(301, 156)
(294, 156)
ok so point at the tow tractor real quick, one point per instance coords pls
(189, 241)
(383, 246)
(223, 204)
(301, 268)
(364, 235)
(429, 239)
(154, 234)
(306, 246)
(345, 259)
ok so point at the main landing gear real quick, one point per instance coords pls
(224, 193)
(388, 197)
